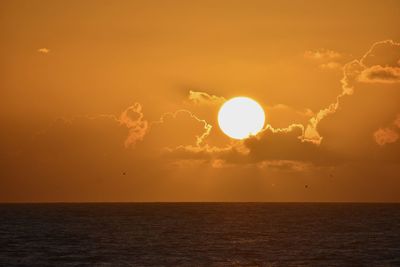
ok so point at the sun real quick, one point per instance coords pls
(241, 117)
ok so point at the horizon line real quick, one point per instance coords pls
(198, 202)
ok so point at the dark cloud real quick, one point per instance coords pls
(280, 146)
(380, 74)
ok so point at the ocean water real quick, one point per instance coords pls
(200, 234)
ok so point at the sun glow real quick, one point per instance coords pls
(241, 117)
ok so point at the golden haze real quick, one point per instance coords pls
(118, 100)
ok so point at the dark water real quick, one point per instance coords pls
(207, 234)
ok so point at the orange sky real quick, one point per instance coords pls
(91, 90)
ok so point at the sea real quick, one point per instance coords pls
(200, 234)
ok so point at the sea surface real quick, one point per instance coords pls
(200, 234)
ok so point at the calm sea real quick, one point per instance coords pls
(203, 234)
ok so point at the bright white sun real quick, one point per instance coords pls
(241, 117)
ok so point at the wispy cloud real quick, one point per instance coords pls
(385, 136)
(322, 54)
(389, 134)
(199, 138)
(132, 118)
(332, 65)
(43, 50)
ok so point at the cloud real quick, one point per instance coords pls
(383, 53)
(270, 144)
(166, 131)
(285, 165)
(298, 142)
(295, 142)
(389, 134)
(322, 54)
(385, 136)
(281, 107)
(43, 50)
(299, 146)
(233, 153)
(332, 65)
(380, 74)
(205, 98)
(281, 144)
(397, 121)
(327, 59)
(83, 160)
(200, 137)
(132, 118)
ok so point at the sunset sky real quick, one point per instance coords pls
(118, 100)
